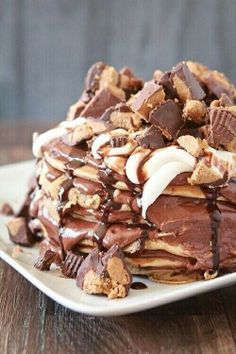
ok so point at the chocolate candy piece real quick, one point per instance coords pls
(6, 209)
(106, 115)
(71, 264)
(86, 97)
(129, 82)
(19, 232)
(44, 262)
(149, 97)
(119, 108)
(121, 116)
(167, 85)
(93, 76)
(186, 85)
(222, 129)
(105, 273)
(198, 70)
(168, 118)
(225, 100)
(190, 129)
(217, 83)
(152, 139)
(103, 99)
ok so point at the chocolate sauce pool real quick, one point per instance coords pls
(138, 286)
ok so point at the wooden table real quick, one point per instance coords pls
(32, 323)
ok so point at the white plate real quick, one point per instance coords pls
(64, 291)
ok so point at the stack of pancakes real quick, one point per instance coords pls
(149, 167)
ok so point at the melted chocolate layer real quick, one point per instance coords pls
(229, 192)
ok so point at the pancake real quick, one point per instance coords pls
(149, 176)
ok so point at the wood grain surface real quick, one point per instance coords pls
(32, 323)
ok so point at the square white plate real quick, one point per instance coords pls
(63, 290)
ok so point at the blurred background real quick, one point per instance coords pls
(46, 47)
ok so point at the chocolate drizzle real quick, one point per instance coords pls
(103, 225)
(106, 176)
(60, 226)
(215, 217)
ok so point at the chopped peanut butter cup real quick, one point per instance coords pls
(222, 129)
(168, 118)
(105, 273)
(186, 85)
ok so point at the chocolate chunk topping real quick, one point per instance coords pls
(152, 139)
(104, 273)
(185, 83)
(121, 116)
(93, 76)
(168, 118)
(217, 84)
(129, 82)
(44, 262)
(6, 209)
(91, 262)
(149, 97)
(104, 98)
(71, 264)
(85, 98)
(225, 100)
(190, 129)
(167, 85)
(19, 232)
(222, 129)
(120, 107)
